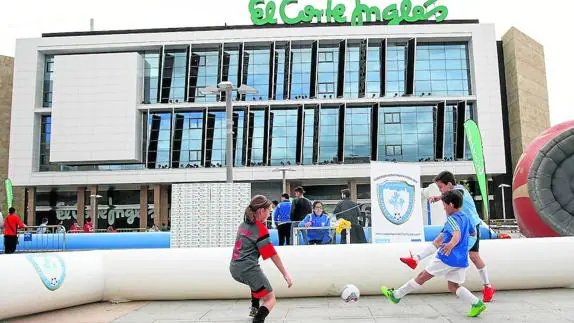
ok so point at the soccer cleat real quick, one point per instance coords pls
(476, 309)
(390, 294)
(488, 293)
(410, 261)
(253, 311)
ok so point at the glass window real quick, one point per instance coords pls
(174, 73)
(230, 70)
(216, 140)
(188, 139)
(256, 137)
(151, 76)
(239, 129)
(48, 90)
(358, 135)
(396, 69)
(283, 133)
(442, 69)
(45, 139)
(256, 65)
(280, 62)
(329, 135)
(469, 116)
(409, 140)
(450, 130)
(308, 135)
(374, 70)
(352, 71)
(327, 75)
(203, 72)
(301, 71)
(159, 146)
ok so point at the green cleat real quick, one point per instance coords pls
(477, 309)
(390, 294)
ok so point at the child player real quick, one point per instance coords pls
(451, 260)
(446, 182)
(253, 241)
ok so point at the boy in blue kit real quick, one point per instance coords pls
(451, 260)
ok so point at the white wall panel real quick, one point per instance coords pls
(94, 114)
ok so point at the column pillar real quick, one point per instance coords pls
(94, 206)
(81, 206)
(164, 207)
(353, 187)
(31, 207)
(143, 206)
(156, 204)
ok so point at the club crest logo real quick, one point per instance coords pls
(50, 268)
(396, 200)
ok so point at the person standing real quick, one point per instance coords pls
(301, 206)
(348, 210)
(11, 225)
(251, 243)
(282, 219)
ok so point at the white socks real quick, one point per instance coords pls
(484, 276)
(466, 296)
(407, 288)
(427, 251)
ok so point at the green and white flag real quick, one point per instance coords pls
(474, 140)
(9, 193)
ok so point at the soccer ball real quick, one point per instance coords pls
(350, 293)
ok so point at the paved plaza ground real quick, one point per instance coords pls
(556, 305)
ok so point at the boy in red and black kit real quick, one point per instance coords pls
(253, 241)
(11, 225)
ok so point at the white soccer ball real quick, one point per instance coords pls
(350, 293)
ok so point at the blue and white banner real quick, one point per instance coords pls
(396, 209)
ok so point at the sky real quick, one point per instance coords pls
(31, 18)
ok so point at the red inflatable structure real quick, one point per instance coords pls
(543, 185)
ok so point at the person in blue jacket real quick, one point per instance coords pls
(318, 218)
(282, 219)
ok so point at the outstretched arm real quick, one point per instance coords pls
(279, 264)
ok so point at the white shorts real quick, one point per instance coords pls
(438, 268)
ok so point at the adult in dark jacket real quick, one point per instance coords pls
(301, 206)
(348, 209)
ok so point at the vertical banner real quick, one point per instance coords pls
(396, 208)
(9, 194)
(475, 145)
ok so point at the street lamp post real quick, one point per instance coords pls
(95, 198)
(502, 187)
(228, 88)
(283, 170)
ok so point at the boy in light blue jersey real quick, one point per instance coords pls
(452, 259)
(447, 182)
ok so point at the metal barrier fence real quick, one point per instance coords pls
(332, 234)
(51, 238)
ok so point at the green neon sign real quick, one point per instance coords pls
(264, 13)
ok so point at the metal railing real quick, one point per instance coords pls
(332, 234)
(51, 238)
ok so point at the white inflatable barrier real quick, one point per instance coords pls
(180, 274)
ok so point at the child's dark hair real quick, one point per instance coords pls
(453, 197)
(445, 177)
(257, 202)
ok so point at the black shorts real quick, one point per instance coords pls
(255, 279)
(477, 243)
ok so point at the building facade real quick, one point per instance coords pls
(105, 122)
(6, 77)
